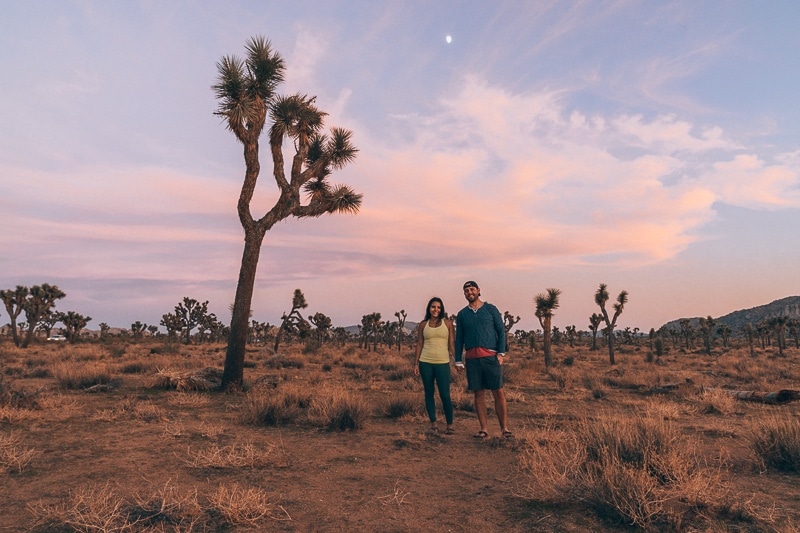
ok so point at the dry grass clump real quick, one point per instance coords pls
(133, 408)
(245, 455)
(339, 409)
(775, 440)
(636, 471)
(14, 455)
(76, 376)
(400, 405)
(276, 407)
(103, 509)
(715, 402)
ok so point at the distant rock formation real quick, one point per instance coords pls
(737, 320)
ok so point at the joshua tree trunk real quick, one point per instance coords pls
(548, 359)
(611, 359)
(237, 341)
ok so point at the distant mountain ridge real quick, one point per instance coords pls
(737, 320)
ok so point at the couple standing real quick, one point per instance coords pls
(479, 329)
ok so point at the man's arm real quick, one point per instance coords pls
(499, 329)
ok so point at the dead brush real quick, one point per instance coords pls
(17, 398)
(92, 508)
(205, 379)
(248, 506)
(191, 400)
(14, 455)
(167, 507)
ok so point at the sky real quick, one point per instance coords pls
(653, 146)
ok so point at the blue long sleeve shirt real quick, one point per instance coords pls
(483, 328)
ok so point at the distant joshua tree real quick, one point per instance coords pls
(508, 322)
(546, 303)
(246, 93)
(137, 329)
(36, 301)
(707, 331)
(290, 321)
(323, 324)
(594, 324)
(73, 324)
(724, 332)
(600, 298)
(401, 321)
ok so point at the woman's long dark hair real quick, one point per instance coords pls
(442, 316)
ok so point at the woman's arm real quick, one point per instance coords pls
(418, 349)
(451, 338)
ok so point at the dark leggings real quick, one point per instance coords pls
(439, 373)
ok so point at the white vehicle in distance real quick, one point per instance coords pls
(57, 338)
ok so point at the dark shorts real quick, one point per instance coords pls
(484, 373)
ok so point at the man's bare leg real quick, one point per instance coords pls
(501, 409)
(480, 409)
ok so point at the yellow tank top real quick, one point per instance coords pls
(434, 348)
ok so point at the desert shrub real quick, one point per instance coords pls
(17, 398)
(39, 372)
(400, 405)
(12, 370)
(658, 345)
(462, 401)
(339, 409)
(277, 363)
(568, 361)
(775, 440)
(116, 350)
(400, 374)
(559, 378)
(74, 376)
(350, 350)
(135, 367)
(310, 347)
(327, 367)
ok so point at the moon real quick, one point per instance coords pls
(448, 39)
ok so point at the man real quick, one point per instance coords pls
(480, 330)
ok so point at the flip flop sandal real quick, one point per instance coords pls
(449, 431)
(481, 435)
(507, 434)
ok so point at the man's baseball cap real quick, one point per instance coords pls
(471, 284)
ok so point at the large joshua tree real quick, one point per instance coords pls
(546, 303)
(600, 298)
(245, 90)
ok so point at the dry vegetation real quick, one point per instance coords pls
(132, 437)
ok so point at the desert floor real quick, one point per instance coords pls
(336, 440)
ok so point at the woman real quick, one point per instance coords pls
(435, 347)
